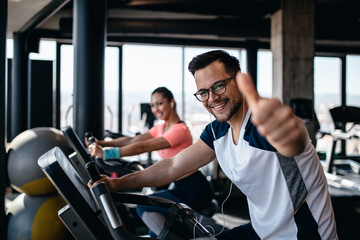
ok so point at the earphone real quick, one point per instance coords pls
(212, 129)
(172, 105)
(231, 171)
(223, 203)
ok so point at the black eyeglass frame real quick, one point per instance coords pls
(212, 87)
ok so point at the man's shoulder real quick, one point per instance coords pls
(217, 129)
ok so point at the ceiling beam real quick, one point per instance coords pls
(218, 28)
(44, 14)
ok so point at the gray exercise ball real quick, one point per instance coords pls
(36, 218)
(24, 173)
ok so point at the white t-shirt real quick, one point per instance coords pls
(276, 186)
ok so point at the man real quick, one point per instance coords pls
(262, 147)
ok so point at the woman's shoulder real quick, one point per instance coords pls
(179, 127)
(156, 129)
(158, 125)
(181, 124)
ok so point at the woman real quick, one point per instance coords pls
(168, 139)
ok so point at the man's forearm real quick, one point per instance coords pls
(156, 175)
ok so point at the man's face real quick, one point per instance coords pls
(223, 106)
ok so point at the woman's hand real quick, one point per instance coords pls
(87, 141)
(95, 150)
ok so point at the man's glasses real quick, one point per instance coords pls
(217, 88)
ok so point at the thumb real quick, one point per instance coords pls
(247, 88)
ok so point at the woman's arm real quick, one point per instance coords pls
(164, 171)
(123, 141)
(133, 149)
(150, 145)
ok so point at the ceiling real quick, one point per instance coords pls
(194, 22)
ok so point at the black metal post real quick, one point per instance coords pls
(57, 97)
(19, 83)
(251, 59)
(3, 66)
(89, 38)
(343, 98)
(120, 107)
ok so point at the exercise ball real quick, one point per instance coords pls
(24, 173)
(35, 218)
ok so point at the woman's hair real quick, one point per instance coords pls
(166, 93)
(231, 63)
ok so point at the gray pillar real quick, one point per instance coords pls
(3, 169)
(89, 48)
(20, 68)
(293, 48)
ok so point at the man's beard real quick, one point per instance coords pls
(233, 109)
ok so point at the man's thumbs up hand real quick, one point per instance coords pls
(275, 121)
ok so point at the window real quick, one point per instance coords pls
(327, 88)
(353, 98)
(111, 95)
(66, 85)
(353, 80)
(146, 67)
(47, 51)
(111, 87)
(327, 94)
(264, 74)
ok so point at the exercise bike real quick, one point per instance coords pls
(122, 167)
(96, 210)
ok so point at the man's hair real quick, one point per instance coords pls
(231, 63)
(166, 93)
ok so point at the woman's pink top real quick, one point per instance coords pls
(178, 136)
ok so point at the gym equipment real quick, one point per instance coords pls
(25, 176)
(79, 159)
(35, 217)
(77, 195)
(345, 114)
(342, 171)
(304, 108)
(119, 166)
(179, 212)
(110, 134)
(343, 164)
(342, 116)
(69, 184)
(145, 109)
(81, 155)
